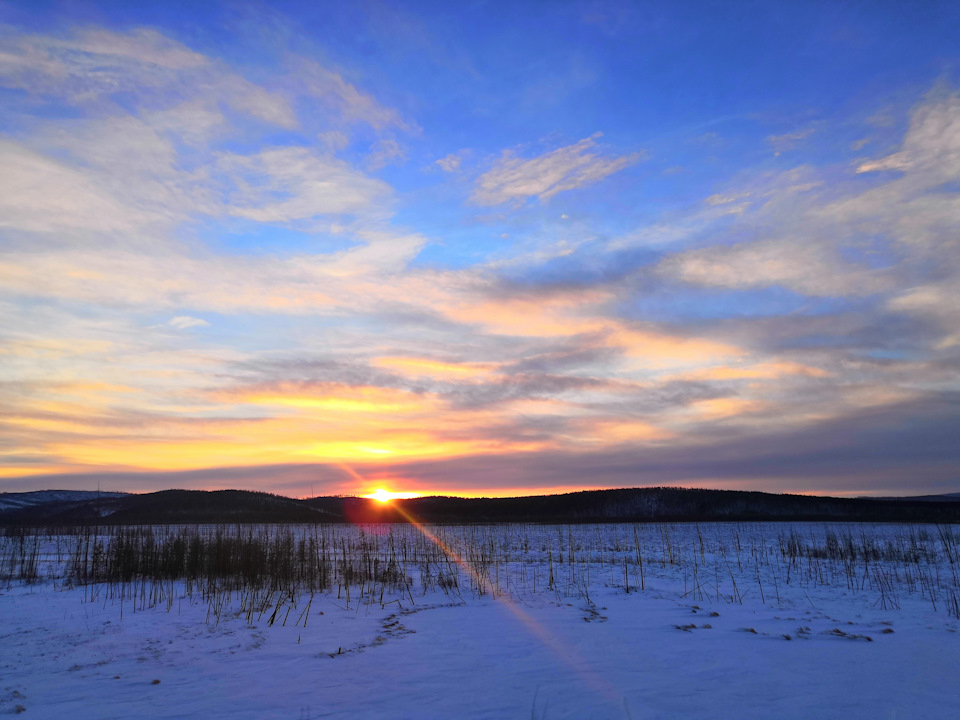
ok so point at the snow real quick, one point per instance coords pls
(19, 500)
(577, 651)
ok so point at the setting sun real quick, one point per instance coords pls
(384, 496)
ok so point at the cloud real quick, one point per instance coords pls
(122, 178)
(194, 122)
(566, 168)
(246, 97)
(808, 268)
(897, 161)
(131, 172)
(451, 163)
(914, 208)
(383, 252)
(932, 144)
(387, 152)
(127, 157)
(873, 450)
(185, 322)
(855, 240)
(334, 140)
(353, 105)
(91, 66)
(882, 118)
(40, 194)
(90, 62)
(939, 301)
(282, 185)
(719, 199)
(169, 279)
(669, 351)
(788, 141)
(419, 367)
(752, 371)
(870, 451)
(143, 45)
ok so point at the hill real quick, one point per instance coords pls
(57, 507)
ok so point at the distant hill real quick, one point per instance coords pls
(647, 504)
(10, 501)
(945, 497)
(62, 507)
(42, 502)
(159, 508)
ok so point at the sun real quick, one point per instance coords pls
(385, 496)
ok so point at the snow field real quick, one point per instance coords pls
(866, 609)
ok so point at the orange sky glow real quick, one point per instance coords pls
(318, 268)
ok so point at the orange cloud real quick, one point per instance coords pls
(578, 313)
(656, 350)
(14, 471)
(46, 348)
(338, 398)
(722, 408)
(426, 367)
(758, 371)
(55, 424)
(538, 317)
(336, 438)
(611, 431)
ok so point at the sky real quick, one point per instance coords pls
(480, 248)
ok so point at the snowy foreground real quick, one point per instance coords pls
(733, 621)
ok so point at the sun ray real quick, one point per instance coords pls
(384, 496)
(563, 653)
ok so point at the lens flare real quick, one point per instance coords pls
(385, 496)
(561, 651)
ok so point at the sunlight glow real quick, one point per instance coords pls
(385, 496)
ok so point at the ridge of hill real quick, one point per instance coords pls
(58, 507)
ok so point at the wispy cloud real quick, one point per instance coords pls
(566, 168)
(185, 322)
(41, 194)
(795, 263)
(788, 141)
(352, 104)
(897, 161)
(289, 184)
(90, 66)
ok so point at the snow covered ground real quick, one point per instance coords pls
(19, 500)
(691, 644)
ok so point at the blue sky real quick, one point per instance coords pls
(480, 248)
